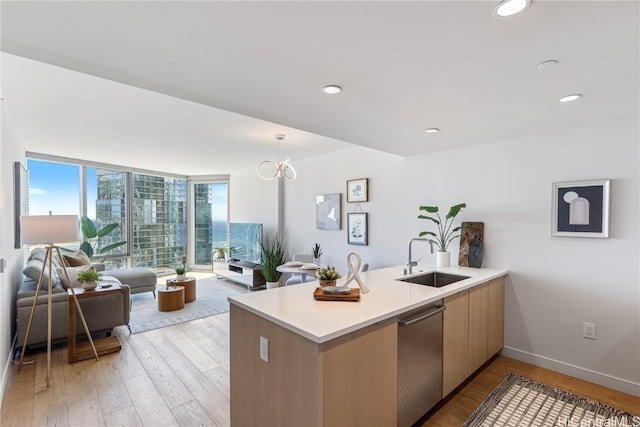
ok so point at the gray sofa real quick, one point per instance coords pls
(102, 314)
(139, 279)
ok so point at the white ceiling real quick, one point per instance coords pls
(404, 67)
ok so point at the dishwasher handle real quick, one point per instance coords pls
(437, 309)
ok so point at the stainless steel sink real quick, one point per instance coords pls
(435, 279)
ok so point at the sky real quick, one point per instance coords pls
(55, 187)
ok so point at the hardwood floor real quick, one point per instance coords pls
(179, 375)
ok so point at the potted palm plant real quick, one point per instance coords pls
(273, 253)
(445, 234)
(92, 237)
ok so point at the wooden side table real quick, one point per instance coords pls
(170, 298)
(82, 351)
(189, 284)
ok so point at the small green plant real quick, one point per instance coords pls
(329, 273)
(220, 251)
(89, 275)
(317, 251)
(445, 233)
(180, 270)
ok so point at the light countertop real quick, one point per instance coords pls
(294, 308)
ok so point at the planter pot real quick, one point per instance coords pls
(89, 286)
(442, 259)
(324, 283)
(271, 285)
(180, 277)
(316, 261)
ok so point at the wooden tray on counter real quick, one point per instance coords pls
(354, 296)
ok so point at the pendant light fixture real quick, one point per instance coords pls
(268, 169)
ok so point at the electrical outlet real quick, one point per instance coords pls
(264, 349)
(589, 330)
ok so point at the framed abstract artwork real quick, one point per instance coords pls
(358, 228)
(581, 208)
(329, 211)
(358, 190)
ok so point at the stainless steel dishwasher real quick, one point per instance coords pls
(419, 362)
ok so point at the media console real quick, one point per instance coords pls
(245, 272)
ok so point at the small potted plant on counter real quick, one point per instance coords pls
(89, 278)
(328, 276)
(317, 253)
(446, 234)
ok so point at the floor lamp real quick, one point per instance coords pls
(50, 229)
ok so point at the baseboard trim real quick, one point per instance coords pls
(599, 378)
(7, 371)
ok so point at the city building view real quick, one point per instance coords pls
(157, 235)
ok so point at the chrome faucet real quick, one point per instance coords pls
(411, 264)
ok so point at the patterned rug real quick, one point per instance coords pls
(519, 401)
(211, 299)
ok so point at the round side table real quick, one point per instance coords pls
(170, 299)
(189, 285)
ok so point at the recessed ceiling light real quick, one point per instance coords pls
(570, 98)
(432, 130)
(510, 7)
(547, 65)
(332, 89)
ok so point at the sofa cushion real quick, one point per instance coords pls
(76, 259)
(38, 254)
(73, 275)
(32, 271)
(135, 277)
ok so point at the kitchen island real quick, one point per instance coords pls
(333, 362)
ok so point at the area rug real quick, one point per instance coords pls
(211, 299)
(519, 401)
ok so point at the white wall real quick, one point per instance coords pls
(555, 283)
(11, 150)
(253, 200)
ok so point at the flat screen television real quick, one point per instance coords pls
(245, 239)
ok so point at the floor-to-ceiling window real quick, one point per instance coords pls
(150, 210)
(106, 203)
(210, 219)
(159, 221)
(53, 188)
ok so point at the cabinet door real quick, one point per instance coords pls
(478, 326)
(496, 316)
(360, 377)
(455, 336)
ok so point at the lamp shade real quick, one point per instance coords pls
(37, 229)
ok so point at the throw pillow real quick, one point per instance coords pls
(77, 259)
(73, 276)
(32, 271)
(38, 254)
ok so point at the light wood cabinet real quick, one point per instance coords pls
(473, 331)
(495, 332)
(455, 336)
(351, 380)
(478, 325)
